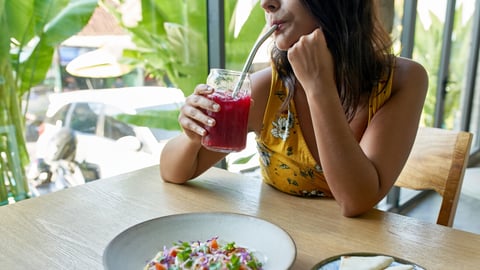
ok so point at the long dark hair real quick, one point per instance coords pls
(360, 47)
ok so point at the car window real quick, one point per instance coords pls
(84, 117)
(113, 128)
(58, 116)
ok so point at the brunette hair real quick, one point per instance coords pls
(360, 47)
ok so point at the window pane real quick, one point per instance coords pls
(113, 128)
(83, 118)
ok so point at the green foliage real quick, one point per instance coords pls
(38, 27)
(155, 119)
(243, 160)
(172, 46)
(238, 47)
(30, 30)
(428, 49)
(171, 40)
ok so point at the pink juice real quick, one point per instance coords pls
(230, 131)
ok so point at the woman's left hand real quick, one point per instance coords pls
(312, 61)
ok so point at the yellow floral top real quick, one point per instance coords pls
(285, 160)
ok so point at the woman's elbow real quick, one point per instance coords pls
(170, 178)
(353, 210)
(174, 181)
(351, 213)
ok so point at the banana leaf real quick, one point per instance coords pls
(30, 30)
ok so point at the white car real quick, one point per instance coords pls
(102, 139)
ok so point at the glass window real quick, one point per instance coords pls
(113, 128)
(59, 116)
(84, 118)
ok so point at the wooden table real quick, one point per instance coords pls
(70, 229)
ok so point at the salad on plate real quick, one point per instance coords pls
(210, 254)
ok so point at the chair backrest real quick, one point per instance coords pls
(437, 162)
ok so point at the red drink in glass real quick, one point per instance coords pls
(231, 123)
(230, 130)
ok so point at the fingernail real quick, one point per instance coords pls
(210, 122)
(216, 107)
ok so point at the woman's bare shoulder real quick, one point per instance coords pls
(409, 70)
(262, 77)
(409, 74)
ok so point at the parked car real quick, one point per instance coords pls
(109, 143)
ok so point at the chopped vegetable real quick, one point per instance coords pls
(208, 255)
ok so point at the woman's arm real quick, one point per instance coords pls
(183, 157)
(359, 174)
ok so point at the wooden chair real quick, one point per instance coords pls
(437, 162)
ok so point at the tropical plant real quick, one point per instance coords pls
(427, 51)
(171, 45)
(171, 39)
(30, 31)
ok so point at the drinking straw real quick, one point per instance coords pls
(248, 64)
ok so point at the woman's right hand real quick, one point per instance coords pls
(192, 118)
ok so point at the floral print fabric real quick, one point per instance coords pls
(285, 160)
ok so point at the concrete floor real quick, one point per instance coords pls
(467, 217)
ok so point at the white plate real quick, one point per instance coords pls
(132, 248)
(333, 263)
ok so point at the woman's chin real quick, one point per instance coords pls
(282, 46)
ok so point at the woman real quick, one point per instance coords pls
(335, 115)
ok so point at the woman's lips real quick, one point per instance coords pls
(279, 27)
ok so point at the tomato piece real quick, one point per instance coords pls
(159, 266)
(213, 244)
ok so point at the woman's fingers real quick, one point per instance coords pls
(203, 89)
(192, 115)
(311, 59)
(199, 98)
(191, 127)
